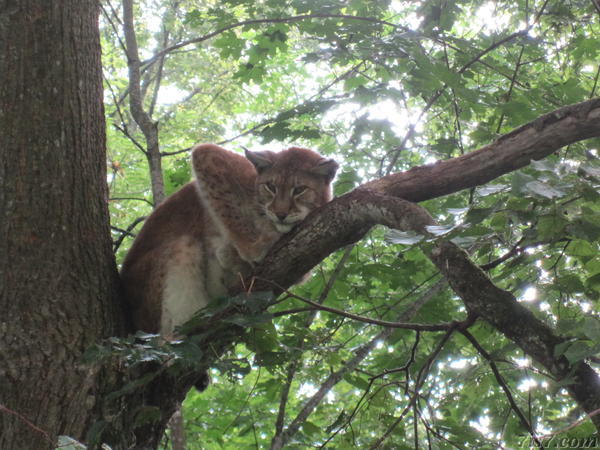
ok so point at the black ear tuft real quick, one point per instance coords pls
(261, 160)
(326, 168)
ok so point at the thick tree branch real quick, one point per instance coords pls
(356, 212)
(349, 217)
(533, 141)
(346, 219)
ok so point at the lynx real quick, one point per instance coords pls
(198, 243)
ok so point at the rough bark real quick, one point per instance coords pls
(333, 226)
(58, 292)
(502, 310)
(532, 141)
(58, 278)
(177, 427)
(362, 209)
(348, 218)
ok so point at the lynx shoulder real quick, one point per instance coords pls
(194, 247)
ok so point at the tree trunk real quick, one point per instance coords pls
(136, 105)
(58, 278)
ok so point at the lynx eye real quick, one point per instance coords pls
(298, 190)
(270, 187)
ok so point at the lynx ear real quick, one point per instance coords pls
(261, 160)
(325, 168)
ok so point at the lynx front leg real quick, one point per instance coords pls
(226, 186)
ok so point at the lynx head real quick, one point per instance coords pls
(291, 183)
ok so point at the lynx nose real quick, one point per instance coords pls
(281, 216)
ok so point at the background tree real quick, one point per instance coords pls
(384, 87)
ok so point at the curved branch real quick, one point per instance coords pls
(350, 216)
(346, 219)
(532, 141)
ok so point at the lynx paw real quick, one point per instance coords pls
(257, 251)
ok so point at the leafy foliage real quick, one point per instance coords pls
(382, 86)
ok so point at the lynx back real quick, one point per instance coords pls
(194, 247)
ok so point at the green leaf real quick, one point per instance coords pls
(403, 237)
(311, 429)
(581, 248)
(68, 443)
(346, 181)
(356, 381)
(258, 301)
(570, 283)
(464, 241)
(246, 320)
(591, 171)
(354, 82)
(593, 283)
(440, 230)
(519, 181)
(578, 351)
(560, 349)
(543, 165)
(263, 339)
(543, 189)
(550, 226)
(477, 215)
(591, 328)
(490, 189)
(584, 229)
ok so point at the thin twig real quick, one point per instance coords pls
(288, 312)
(126, 232)
(28, 423)
(139, 199)
(441, 90)
(524, 422)
(241, 410)
(262, 21)
(113, 26)
(360, 354)
(159, 76)
(421, 377)
(383, 323)
(293, 366)
(511, 87)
